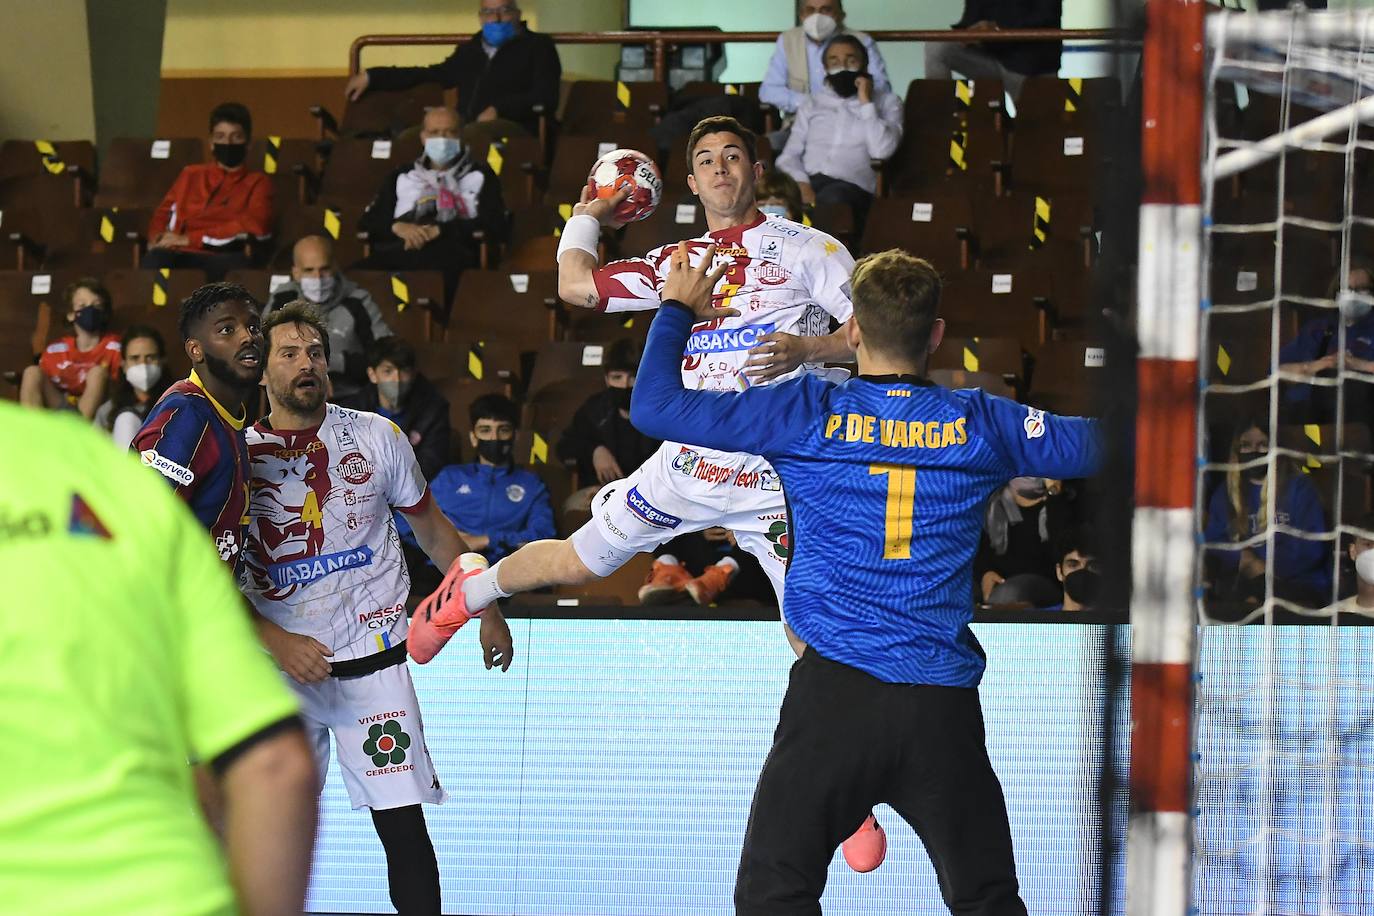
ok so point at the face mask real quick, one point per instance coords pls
(845, 83)
(1364, 566)
(497, 33)
(1083, 586)
(91, 319)
(1257, 472)
(1029, 487)
(819, 27)
(1355, 306)
(497, 451)
(143, 376)
(318, 289)
(620, 397)
(394, 390)
(230, 155)
(775, 210)
(442, 150)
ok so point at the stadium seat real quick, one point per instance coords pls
(380, 113)
(518, 162)
(97, 239)
(153, 298)
(566, 362)
(460, 392)
(934, 111)
(983, 381)
(998, 303)
(356, 167)
(593, 106)
(138, 171)
(290, 163)
(1238, 347)
(535, 450)
(576, 153)
(935, 224)
(338, 223)
(485, 359)
(261, 283)
(1087, 104)
(1067, 377)
(410, 301)
(550, 410)
(679, 216)
(519, 307)
(1052, 158)
(42, 170)
(999, 356)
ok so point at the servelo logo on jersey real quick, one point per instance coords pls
(354, 468)
(311, 569)
(726, 340)
(1034, 424)
(647, 513)
(167, 467)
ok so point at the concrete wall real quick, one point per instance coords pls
(45, 71)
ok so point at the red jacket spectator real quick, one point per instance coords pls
(212, 205)
(67, 366)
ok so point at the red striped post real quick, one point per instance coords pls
(1159, 833)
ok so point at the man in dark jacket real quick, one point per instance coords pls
(1011, 62)
(405, 397)
(502, 73)
(425, 214)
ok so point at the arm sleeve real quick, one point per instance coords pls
(774, 90)
(1305, 346)
(229, 686)
(1038, 444)
(435, 437)
(828, 266)
(394, 78)
(631, 285)
(793, 154)
(877, 67)
(178, 434)
(405, 484)
(256, 218)
(1216, 531)
(546, 72)
(537, 525)
(125, 428)
(882, 122)
(579, 440)
(761, 420)
(162, 216)
(380, 214)
(1294, 556)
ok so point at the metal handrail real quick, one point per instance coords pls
(661, 41)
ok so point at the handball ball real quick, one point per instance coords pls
(628, 168)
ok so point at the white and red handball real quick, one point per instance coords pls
(627, 168)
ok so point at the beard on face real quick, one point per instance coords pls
(301, 400)
(231, 373)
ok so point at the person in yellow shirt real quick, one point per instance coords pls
(130, 651)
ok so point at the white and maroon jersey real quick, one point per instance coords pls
(783, 277)
(323, 558)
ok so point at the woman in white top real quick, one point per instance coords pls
(841, 130)
(138, 388)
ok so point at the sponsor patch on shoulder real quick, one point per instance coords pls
(167, 467)
(1034, 424)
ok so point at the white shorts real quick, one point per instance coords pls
(379, 736)
(682, 489)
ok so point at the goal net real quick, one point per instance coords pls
(1280, 813)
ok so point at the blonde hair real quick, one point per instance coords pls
(896, 296)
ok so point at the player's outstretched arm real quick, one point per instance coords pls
(577, 248)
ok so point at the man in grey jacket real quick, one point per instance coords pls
(353, 319)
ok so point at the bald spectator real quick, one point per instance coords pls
(425, 215)
(796, 69)
(502, 74)
(353, 319)
(215, 211)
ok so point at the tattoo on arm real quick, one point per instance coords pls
(592, 300)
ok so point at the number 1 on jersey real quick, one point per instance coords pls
(901, 495)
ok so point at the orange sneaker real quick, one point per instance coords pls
(445, 611)
(866, 849)
(664, 584)
(706, 587)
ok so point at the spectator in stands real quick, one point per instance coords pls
(601, 441)
(504, 74)
(1015, 563)
(214, 212)
(1010, 62)
(1361, 554)
(402, 394)
(137, 389)
(426, 216)
(1238, 511)
(840, 129)
(353, 319)
(1077, 570)
(1314, 352)
(796, 69)
(77, 370)
(495, 505)
(779, 195)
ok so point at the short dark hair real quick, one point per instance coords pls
(494, 407)
(622, 356)
(297, 311)
(1082, 540)
(137, 331)
(195, 306)
(91, 283)
(721, 124)
(391, 349)
(896, 301)
(232, 113)
(844, 38)
(777, 183)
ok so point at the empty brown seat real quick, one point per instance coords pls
(521, 307)
(934, 111)
(486, 359)
(153, 298)
(1001, 356)
(1051, 158)
(289, 163)
(551, 410)
(138, 171)
(259, 283)
(33, 170)
(356, 167)
(381, 113)
(1068, 377)
(678, 217)
(1238, 347)
(99, 239)
(410, 301)
(338, 223)
(517, 162)
(997, 303)
(1091, 103)
(566, 362)
(934, 225)
(595, 105)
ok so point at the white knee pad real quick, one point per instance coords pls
(596, 553)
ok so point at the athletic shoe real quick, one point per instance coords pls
(664, 584)
(445, 611)
(867, 848)
(706, 587)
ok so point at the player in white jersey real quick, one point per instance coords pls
(788, 282)
(323, 563)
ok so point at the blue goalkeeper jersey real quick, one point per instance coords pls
(886, 481)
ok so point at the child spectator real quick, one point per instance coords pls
(76, 371)
(397, 390)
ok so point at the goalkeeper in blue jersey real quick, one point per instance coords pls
(886, 477)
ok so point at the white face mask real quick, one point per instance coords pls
(819, 27)
(144, 376)
(774, 210)
(1355, 306)
(1364, 566)
(318, 289)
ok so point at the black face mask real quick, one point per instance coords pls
(620, 397)
(1083, 586)
(497, 451)
(846, 82)
(229, 155)
(1256, 473)
(92, 319)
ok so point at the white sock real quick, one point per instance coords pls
(668, 558)
(482, 589)
(729, 563)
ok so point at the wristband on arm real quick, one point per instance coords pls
(582, 233)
